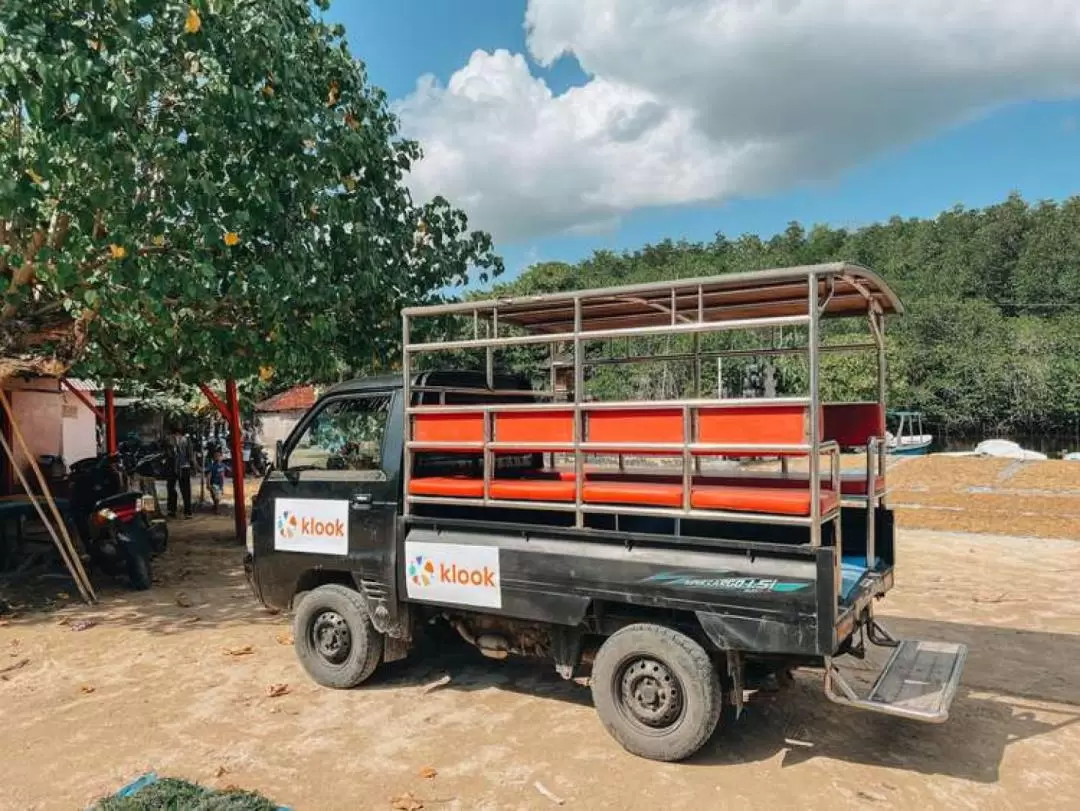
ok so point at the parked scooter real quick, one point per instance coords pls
(111, 519)
(149, 469)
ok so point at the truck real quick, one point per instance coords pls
(515, 486)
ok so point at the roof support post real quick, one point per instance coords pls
(230, 412)
(815, 406)
(84, 398)
(111, 443)
(236, 440)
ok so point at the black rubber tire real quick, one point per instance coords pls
(366, 644)
(687, 663)
(159, 537)
(138, 570)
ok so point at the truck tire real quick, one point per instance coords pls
(657, 691)
(334, 638)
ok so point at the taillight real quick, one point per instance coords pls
(103, 517)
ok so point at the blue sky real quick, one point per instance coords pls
(1025, 144)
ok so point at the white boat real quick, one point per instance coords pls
(909, 439)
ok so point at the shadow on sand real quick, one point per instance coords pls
(1017, 684)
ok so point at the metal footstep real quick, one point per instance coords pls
(919, 681)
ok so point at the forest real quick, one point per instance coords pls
(988, 343)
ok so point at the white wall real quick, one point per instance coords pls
(275, 426)
(79, 437)
(38, 415)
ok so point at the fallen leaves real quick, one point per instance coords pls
(87, 689)
(243, 650)
(428, 773)
(83, 625)
(406, 802)
(278, 690)
(183, 600)
(191, 620)
(220, 772)
(193, 22)
(285, 638)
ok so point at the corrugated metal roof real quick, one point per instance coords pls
(83, 385)
(298, 398)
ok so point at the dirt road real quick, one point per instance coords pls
(151, 686)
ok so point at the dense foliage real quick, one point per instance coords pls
(989, 341)
(205, 189)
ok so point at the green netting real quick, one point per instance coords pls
(170, 794)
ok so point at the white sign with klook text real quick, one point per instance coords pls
(312, 525)
(453, 573)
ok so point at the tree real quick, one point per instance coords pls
(988, 343)
(202, 189)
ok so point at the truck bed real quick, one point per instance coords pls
(748, 595)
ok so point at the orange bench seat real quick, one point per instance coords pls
(752, 499)
(852, 482)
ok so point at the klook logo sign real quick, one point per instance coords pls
(311, 525)
(453, 573)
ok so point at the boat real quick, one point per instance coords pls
(909, 439)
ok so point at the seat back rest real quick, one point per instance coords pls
(851, 425)
(762, 423)
(525, 429)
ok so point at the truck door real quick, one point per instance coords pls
(333, 503)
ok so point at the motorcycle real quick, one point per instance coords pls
(113, 521)
(149, 470)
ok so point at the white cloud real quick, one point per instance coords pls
(699, 100)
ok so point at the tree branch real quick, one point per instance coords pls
(25, 274)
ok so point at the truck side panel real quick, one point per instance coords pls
(749, 601)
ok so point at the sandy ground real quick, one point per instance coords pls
(153, 685)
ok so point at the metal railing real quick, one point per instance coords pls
(688, 308)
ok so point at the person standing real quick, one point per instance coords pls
(180, 459)
(216, 477)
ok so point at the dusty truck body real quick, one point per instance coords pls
(625, 540)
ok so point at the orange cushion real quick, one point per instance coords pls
(639, 493)
(532, 490)
(777, 500)
(452, 486)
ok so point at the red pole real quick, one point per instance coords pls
(83, 398)
(236, 442)
(110, 421)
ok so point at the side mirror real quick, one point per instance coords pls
(278, 455)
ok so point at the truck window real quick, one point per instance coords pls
(344, 435)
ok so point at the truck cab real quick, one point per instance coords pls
(644, 545)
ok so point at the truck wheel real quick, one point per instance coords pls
(656, 691)
(334, 638)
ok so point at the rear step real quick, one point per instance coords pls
(918, 681)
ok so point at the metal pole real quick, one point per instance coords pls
(815, 401)
(489, 359)
(406, 395)
(236, 447)
(111, 443)
(579, 416)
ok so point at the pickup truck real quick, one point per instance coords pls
(476, 500)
